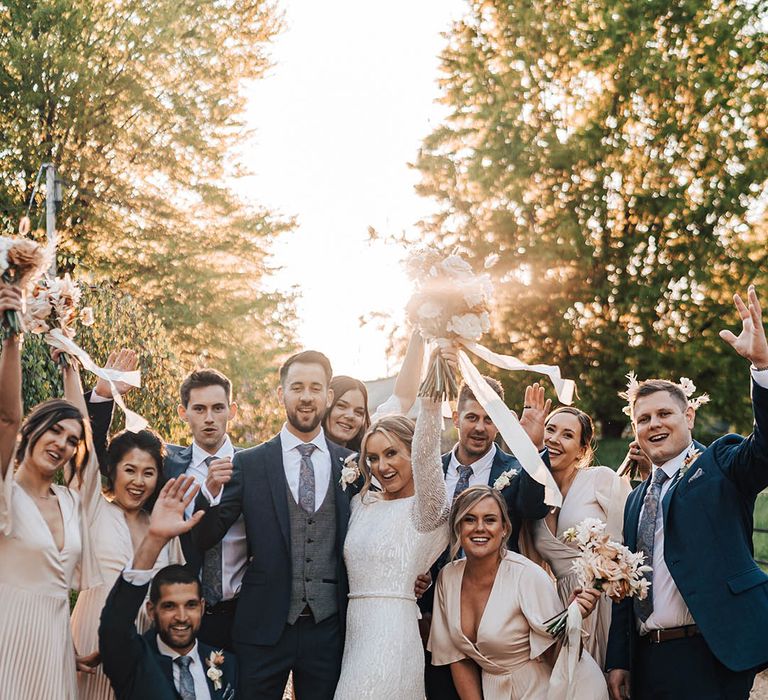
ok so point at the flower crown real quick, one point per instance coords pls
(686, 386)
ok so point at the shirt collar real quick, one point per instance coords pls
(672, 466)
(165, 650)
(479, 465)
(289, 441)
(199, 455)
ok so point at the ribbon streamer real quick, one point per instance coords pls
(565, 388)
(133, 421)
(516, 438)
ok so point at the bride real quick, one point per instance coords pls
(394, 535)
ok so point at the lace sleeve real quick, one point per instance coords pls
(431, 507)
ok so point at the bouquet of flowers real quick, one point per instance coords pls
(605, 565)
(22, 261)
(450, 302)
(54, 303)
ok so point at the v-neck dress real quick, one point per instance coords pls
(511, 636)
(596, 492)
(113, 550)
(38, 657)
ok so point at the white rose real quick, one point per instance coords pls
(687, 386)
(456, 266)
(467, 326)
(86, 316)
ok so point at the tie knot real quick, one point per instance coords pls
(183, 661)
(209, 459)
(659, 477)
(465, 471)
(306, 449)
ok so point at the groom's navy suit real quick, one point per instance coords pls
(259, 491)
(708, 526)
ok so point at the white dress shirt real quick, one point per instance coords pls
(234, 548)
(195, 668)
(481, 470)
(669, 608)
(321, 461)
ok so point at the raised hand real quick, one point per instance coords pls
(219, 474)
(167, 519)
(10, 298)
(750, 343)
(535, 410)
(124, 360)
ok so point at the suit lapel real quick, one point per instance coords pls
(634, 505)
(341, 496)
(165, 662)
(278, 487)
(500, 464)
(178, 464)
(446, 462)
(666, 502)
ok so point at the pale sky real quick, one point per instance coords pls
(344, 109)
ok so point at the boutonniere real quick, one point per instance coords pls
(505, 478)
(350, 472)
(214, 660)
(688, 462)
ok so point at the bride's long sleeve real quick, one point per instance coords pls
(431, 507)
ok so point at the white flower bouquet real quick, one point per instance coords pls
(22, 261)
(450, 302)
(54, 303)
(605, 565)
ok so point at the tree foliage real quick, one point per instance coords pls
(140, 104)
(615, 155)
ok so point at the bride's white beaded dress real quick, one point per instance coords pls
(389, 543)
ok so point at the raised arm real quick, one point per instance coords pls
(222, 512)
(747, 464)
(407, 382)
(432, 505)
(11, 409)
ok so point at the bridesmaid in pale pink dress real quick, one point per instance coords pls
(44, 546)
(588, 492)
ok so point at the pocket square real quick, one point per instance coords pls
(229, 693)
(699, 472)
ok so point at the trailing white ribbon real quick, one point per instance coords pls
(511, 430)
(565, 388)
(133, 421)
(562, 684)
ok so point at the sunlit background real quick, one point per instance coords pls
(343, 111)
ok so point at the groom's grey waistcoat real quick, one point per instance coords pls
(314, 562)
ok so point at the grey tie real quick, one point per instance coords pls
(465, 474)
(212, 567)
(306, 478)
(646, 531)
(186, 682)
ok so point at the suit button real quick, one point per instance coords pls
(310, 522)
(308, 580)
(308, 560)
(309, 540)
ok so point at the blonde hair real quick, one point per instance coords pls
(465, 502)
(393, 427)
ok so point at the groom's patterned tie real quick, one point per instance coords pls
(212, 565)
(306, 478)
(646, 530)
(465, 474)
(186, 682)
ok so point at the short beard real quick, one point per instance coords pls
(293, 420)
(476, 453)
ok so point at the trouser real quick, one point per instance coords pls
(438, 680)
(312, 650)
(216, 625)
(685, 669)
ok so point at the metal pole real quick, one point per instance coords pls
(50, 211)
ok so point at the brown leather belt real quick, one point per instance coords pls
(666, 635)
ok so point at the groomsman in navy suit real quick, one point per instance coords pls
(169, 662)
(703, 630)
(476, 459)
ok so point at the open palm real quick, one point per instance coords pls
(167, 519)
(751, 342)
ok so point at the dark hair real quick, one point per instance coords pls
(175, 573)
(145, 440)
(307, 357)
(43, 417)
(466, 394)
(340, 385)
(200, 378)
(587, 431)
(652, 386)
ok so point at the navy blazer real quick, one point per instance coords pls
(708, 525)
(135, 667)
(258, 490)
(177, 461)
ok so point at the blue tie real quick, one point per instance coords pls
(212, 567)
(646, 531)
(306, 478)
(186, 682)
(465, 473)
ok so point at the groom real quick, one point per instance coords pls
(292, 605)
(702, 631)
